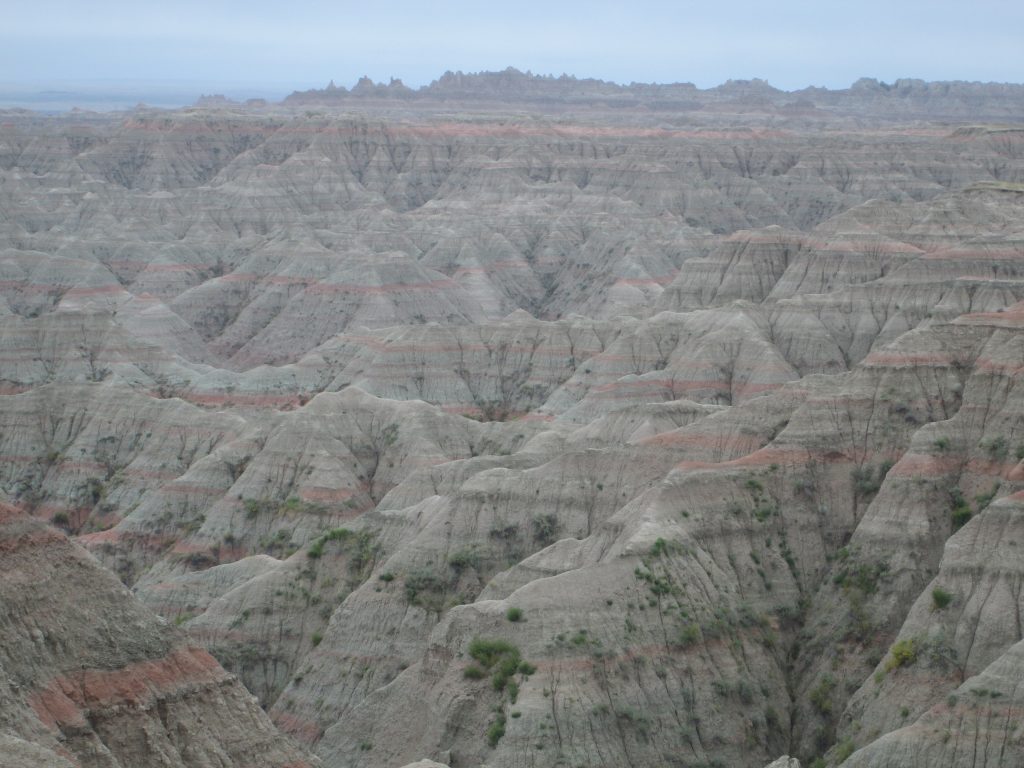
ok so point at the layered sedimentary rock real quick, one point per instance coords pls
(684, 435)
(93, 678)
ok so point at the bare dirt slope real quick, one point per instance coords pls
(515, 422)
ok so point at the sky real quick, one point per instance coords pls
(263, 48)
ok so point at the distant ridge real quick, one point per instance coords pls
(905, 98)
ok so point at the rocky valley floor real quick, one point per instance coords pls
(517, 423)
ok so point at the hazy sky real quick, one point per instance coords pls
(299, 43)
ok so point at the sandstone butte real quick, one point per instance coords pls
(515, 421)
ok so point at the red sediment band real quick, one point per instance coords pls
(65, 700)
(640, 281)
(902, 359)
(494, 266)
(95, 290)
(975, 254)
(255, 401)
(450, 130)
(680, 440)
(9, 512)
(305, 731)
(1012, 317)
(251, 277)
(784, 456)
(627, 389)
(34, 537)
(923, 465)
(109, 536)
(315, 494)
(374, 290)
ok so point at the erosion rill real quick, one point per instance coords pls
(515, 422)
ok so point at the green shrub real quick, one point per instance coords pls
(867, 481)
(689, 635)
(473, 672)
(421, 585)
(961, 514)
(387, 577)
(316, 638)
(514, 614)
(821, 695)
(496, 731)
(984, 499)
(844, 750)
(337, 534)
(544, 528)
(997, 448)
(659, 548)
(941, 598)
(490, 652)
(464, 559)
(902, 654)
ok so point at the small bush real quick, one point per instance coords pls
(844, 750)
(514, 614)
(544, 528)
(821, 695)
(496, 731)
(387, 577)
(997, 448)
(689, 635)
(659, 548)
(424, 588)
(316, 638)
(473, 672)
(961, 514)
(464, 559)
(941, 598)
(902, 654)
(490, 652)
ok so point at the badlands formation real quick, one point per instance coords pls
(515, 422)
